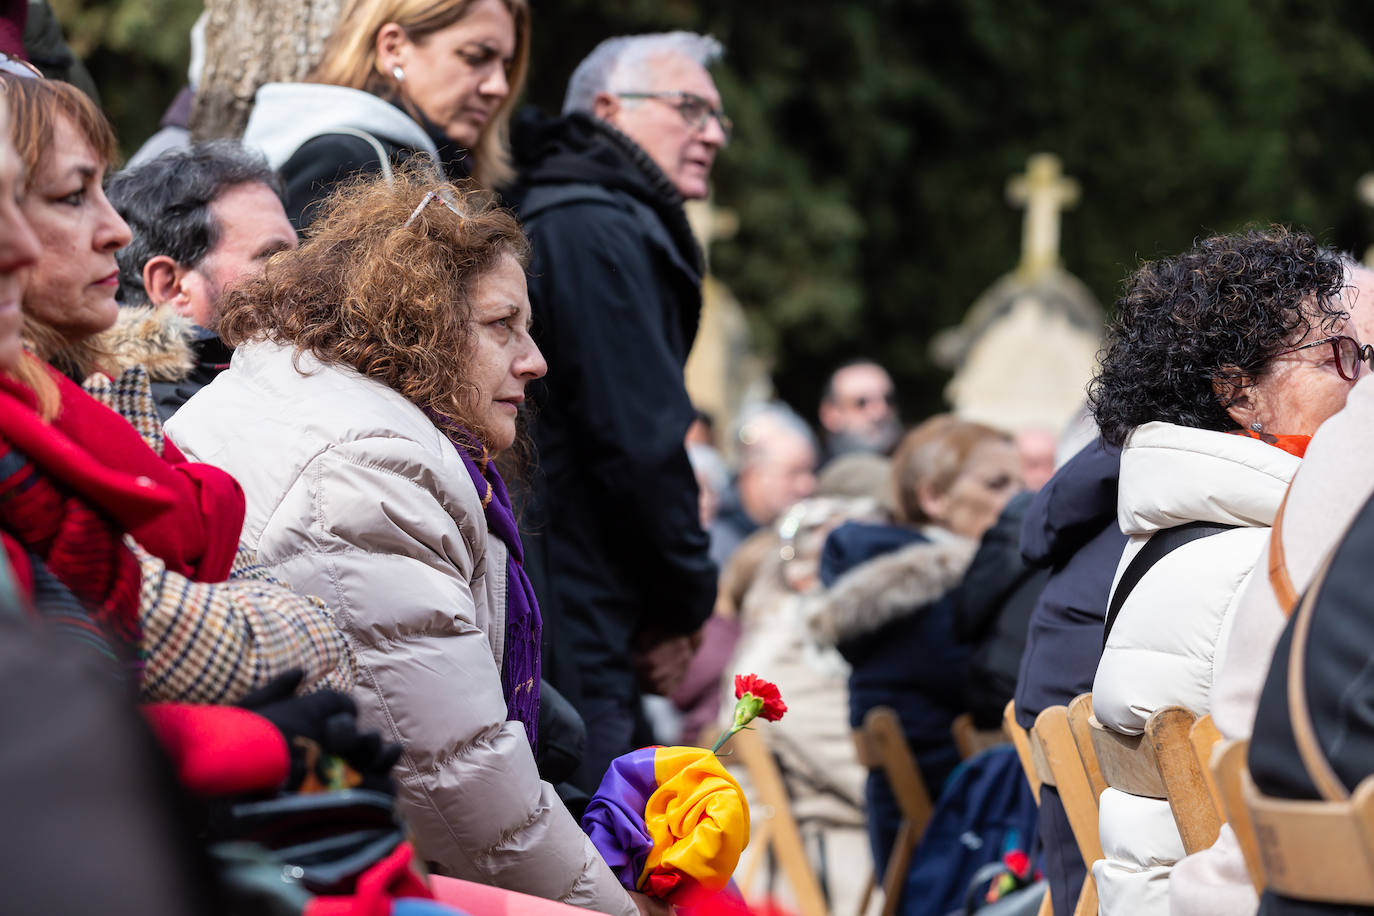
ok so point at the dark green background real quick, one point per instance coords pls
(874, 140)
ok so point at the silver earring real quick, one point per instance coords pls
(400, 74)
(1257, 426)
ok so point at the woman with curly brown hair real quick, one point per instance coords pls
(1222, 363)
(378, 371)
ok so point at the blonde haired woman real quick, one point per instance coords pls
(889, 605)
(397, 79)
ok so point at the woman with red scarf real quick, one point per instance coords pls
(1221, 365)
(142, 537)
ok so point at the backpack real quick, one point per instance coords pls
(986, 810)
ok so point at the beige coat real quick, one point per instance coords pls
(355, 496)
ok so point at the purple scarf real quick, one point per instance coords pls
(520, 668)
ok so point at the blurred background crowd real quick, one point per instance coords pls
(580, 358)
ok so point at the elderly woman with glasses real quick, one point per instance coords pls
(379, 371)
(1222, 363)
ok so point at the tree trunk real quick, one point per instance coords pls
(251, 42)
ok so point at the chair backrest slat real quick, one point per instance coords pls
(1020, 740)
(1080, 715)
(1051, 751)
(1311, 850)
(1127, 762)
(883, 746)
(1161, 763)
(1169, 731)
(780, 832)
(1204, 737)
(1228, 762)
(1059, 753)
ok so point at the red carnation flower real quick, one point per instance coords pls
(753, 697)
(773, 706)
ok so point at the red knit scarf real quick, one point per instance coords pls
(80, 546)
(70, 512)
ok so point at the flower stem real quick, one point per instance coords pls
(724, 737)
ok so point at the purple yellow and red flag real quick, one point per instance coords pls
(669, 821)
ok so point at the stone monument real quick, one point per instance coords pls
(1025, 352)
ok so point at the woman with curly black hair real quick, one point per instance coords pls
(1221, 364)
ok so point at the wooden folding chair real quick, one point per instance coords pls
(1080, 713)
(774, 828)
(1227, 765)
(1318, 851)
(882, 745)
(1020, 739)
(971, 740)
(1161, 763)
(1058, 763)
(1204, 738)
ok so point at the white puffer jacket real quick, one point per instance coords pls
(1170, 636)
(355, 496)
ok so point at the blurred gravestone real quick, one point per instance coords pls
(1026, 350)
(251, 42)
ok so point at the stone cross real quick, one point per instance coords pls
(1043, 191)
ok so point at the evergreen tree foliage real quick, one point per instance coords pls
(874, 141)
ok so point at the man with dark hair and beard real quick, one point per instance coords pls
(202, 219)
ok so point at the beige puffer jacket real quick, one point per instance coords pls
(353, 495)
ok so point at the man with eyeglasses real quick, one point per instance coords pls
(615, 283)
(859, 410)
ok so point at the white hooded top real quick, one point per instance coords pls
(1171, 634)
(286, 115)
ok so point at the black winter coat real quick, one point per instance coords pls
(211, 358)
(323, 162)
(993, 607)
(614, 282)
(1070, 529)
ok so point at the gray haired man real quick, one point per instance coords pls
(615, 282)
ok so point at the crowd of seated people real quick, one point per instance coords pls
(275, 528)
(1228, 369)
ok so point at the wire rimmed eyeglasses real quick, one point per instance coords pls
(1348, 352)
(695, 110)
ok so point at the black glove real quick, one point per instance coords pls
(562, 736)
(319, 726)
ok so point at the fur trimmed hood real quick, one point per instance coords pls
(155, 337)
(889, 587)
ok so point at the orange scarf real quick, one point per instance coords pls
(1293, 445)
